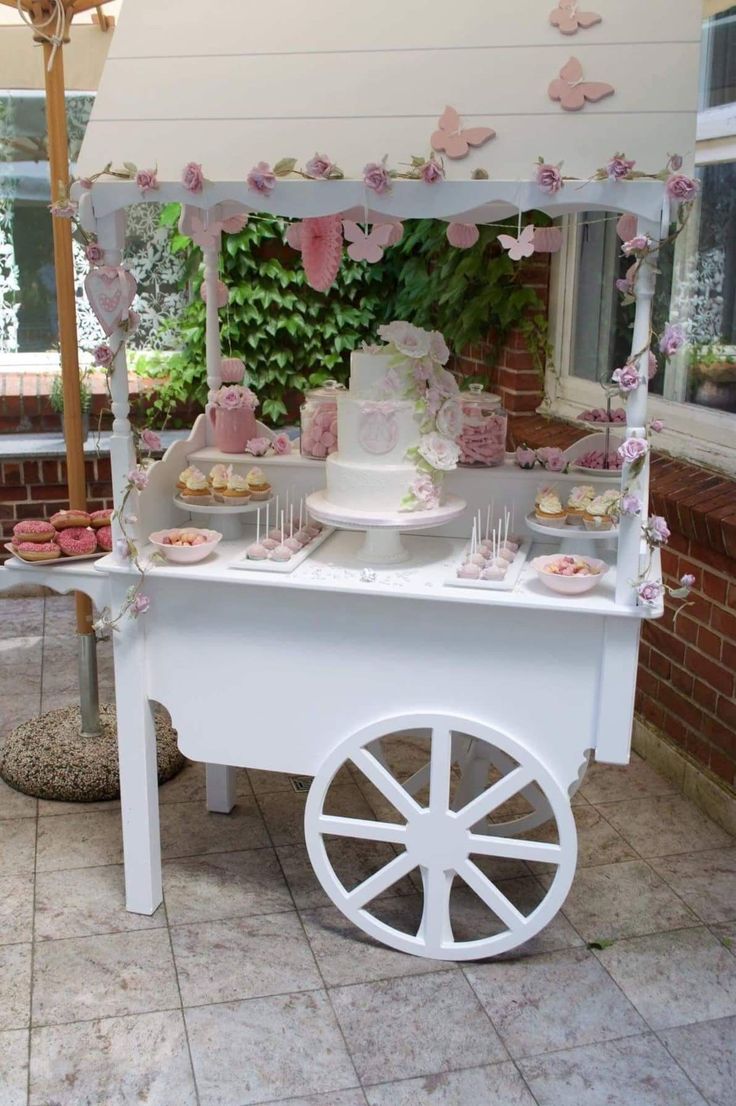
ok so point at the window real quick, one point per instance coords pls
(695, 395)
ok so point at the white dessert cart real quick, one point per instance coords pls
(512, 691)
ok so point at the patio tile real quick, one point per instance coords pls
(707, 1052)
(347, 955)
(52, 808)
(15, 986)
(187, 829)
(635, 1072)
(224, 885)
(16, 909)
(264, 783)
(598, 841)
(14, 1068)
(243, 958)
(553, 1002)
(665, 825)
(79, 841)
(141, 1059)
(283, 811)
(17, 846)
(267, 1048)
(706, 881)
(471, 918)
(332, 1098)
(420, 1025)
(101, 977)
(675, 978)
(611, 783)
(355, 861)
(623, 900)
(14, 804)
(498, 1084)
(190, 786)
(86, 901)
(725, 934)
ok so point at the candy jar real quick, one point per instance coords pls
(319, 420)
(482, 440)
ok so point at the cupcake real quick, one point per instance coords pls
(258, 485)
(196, 487)
(602, 512)
(578, 500)
(236, 493)
(218, 477)
(181, 483)
(548, 508)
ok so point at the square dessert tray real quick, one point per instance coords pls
(509, 581)
(284, 567)
(62, 560)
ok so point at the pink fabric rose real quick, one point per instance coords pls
(619, 167)
(63, 209)
(432, 171)
(85, 183)
(639, 244)
(650, 591)
(258, 447)
(682, 189)
(377, 177)
(526, 458)
(549, 178)
(653, 368)
(656, 425)
(633, 449)
(193, 178)
(688, 580)
(319, 167)
(552, 459)
(631, 504)
(281, 445)
(140, 604)
(658, 531)
(103, 355)
(672, 340)
(262, 178)
(625, 284)
(627, 378)
(122, 546)
(150, 439)
(94, 253)
(147, 180)
(138, 477)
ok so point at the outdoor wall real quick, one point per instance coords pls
(21, 62)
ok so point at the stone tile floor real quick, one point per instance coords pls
(248, 987)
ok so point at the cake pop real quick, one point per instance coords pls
(468, 572)
(493, 572)
(257, 551)
(281, 553)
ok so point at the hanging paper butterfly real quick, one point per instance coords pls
(568, 19)
(367, 247)
(572, 91)
(523, 246)
(454, 140)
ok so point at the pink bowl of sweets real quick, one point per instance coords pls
(569, 573)
(185, 545)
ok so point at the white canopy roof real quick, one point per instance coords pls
(230, 83)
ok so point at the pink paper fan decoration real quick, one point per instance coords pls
(321, 241)
(294, 236)
(222, 294)
(462, 235)
(547, 240)
(626, 227)
(232, 370)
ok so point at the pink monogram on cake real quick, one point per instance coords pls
(378, 431)
(110, 290)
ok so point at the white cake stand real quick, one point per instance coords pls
(223, 517)
(574, 539)
(382, 545)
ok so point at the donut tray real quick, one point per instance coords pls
(62, 560)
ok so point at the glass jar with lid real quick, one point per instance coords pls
(318, 417)
(482, 439)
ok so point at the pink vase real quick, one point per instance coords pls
(233, 428)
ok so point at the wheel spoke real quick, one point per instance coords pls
(417, 781)
(389, 787)
(494, 796)
(363, 828)
(515, 849)
(435, 927)
(376, 884)
(440, 765)
(491, 896)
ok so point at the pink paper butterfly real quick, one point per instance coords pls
(568, 19)
(572, 91)
(523, 246)
(367, 247)
(453, 140)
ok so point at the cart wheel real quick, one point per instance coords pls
(447, 840)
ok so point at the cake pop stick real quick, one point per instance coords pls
(488, 519)
(258, 526)
(291, 521)
(301, 508)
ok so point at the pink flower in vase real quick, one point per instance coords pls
(377, 177)
(281, 445)
(262, 178)
(147, 180)
(193, 178)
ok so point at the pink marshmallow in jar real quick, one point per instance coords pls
(482, 440)
(319, 420)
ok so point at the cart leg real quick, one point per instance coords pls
(220, 788)
(139, 800)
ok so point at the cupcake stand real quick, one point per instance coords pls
(512, 692)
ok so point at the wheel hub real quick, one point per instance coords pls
(435, 840)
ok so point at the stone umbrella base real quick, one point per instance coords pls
(49, 759)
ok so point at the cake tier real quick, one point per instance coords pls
(367, 371)
(376, 432)
(367, 487)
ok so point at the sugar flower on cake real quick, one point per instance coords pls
(438, 350)
(438, 451)
(450, 419)
(411, 341)
(444, 382)
(425, 491)
(231, 397)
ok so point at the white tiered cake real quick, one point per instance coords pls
(371, 471)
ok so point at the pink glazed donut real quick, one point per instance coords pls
(104, 538)
(76, 541)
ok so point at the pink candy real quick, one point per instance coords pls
(482, 442)
(595, 459)
(319, 429)
(599, 414)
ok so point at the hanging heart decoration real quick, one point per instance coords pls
(110, 290)
(223, 295)
(547, 240)
(321, 244)
(626, 227)
(462, 235)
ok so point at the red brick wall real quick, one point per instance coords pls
(37, 489)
